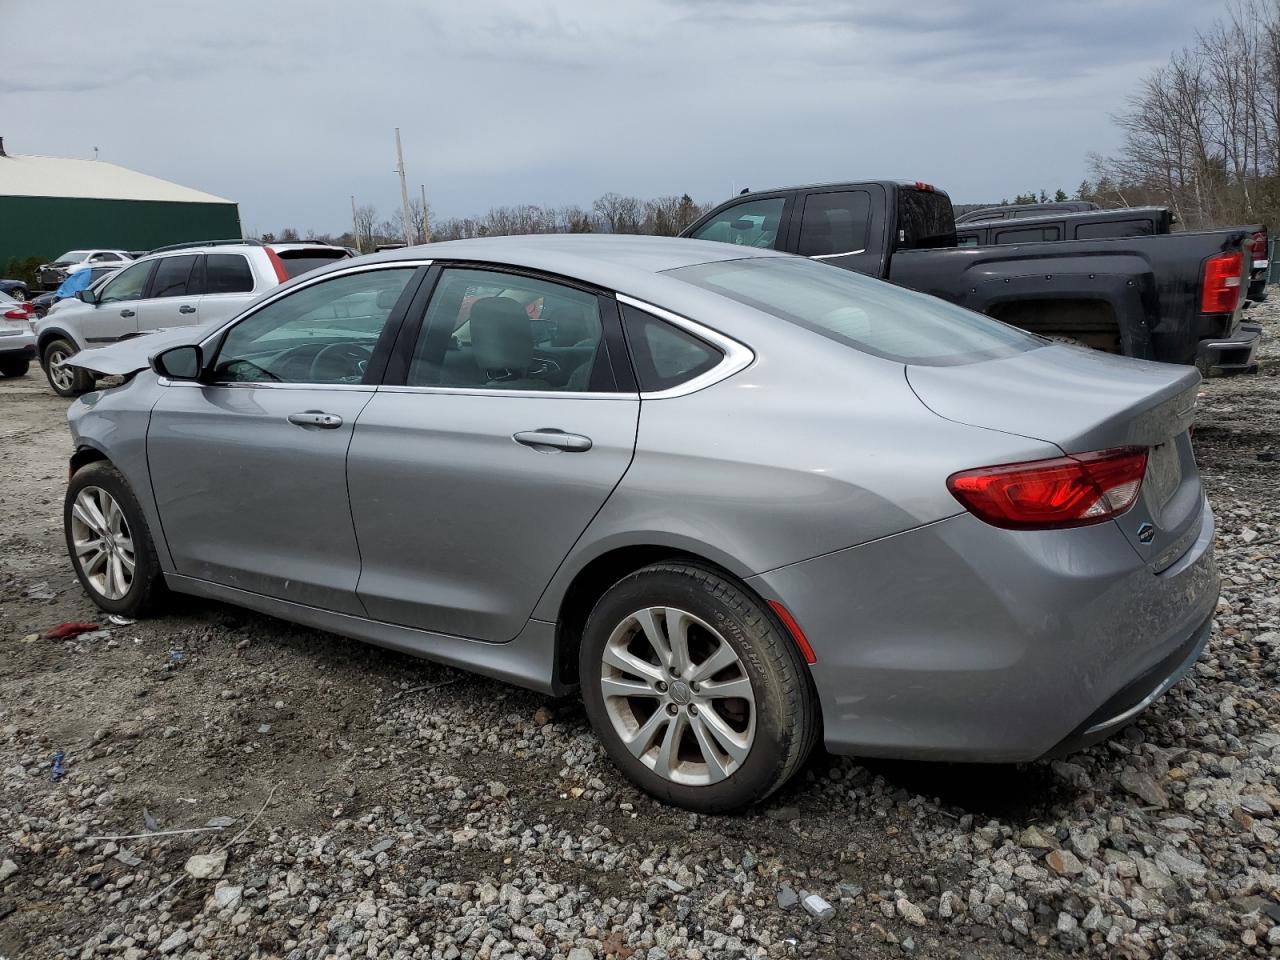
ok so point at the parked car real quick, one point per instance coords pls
(52, 274)
(184, 285)
(736, 499)
(17, 342)
(45, 302)
(1091, 225)
(1175, 298)
(1011, 211)
(15, 288)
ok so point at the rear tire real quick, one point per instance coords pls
(65, 381)
(109, 543)
(14, 368)
(716, 728)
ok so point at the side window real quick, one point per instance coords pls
(753, 223)
(172, 274)
(834, 223)
(1114, 228)
(501, 331)
(966, 240)
(324, 333)
(128, 284)
(664, 355)
(227, 273)
(1029, 235)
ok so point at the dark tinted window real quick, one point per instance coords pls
(1029, 235)
(752, 223)
(1116, 228)
(171, 276)
(925, 219)
(227, 273)
(869, 315)
(834, 223)
(297, 262)
(665, 356)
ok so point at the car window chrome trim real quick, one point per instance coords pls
(266, 385)
(828, 256)
(737, 356)
(312, 281)
(517, 394)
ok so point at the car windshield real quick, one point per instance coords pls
(868, 315)
(298, 262)
(73, 256)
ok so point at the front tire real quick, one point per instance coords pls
(695, 690)
(109, 543)
(65, 381)
(14, 368)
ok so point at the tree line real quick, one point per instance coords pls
(662, 216)
(1202, 132)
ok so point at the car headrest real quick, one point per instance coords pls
(387, 298)
(501, 335)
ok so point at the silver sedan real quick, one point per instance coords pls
(740, 501)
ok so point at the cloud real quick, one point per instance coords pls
(290, 106)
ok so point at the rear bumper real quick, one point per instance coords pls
(21, 346)
(958, 641)
(1229, 355)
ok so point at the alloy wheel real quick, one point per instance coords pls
(678, 696)
(103, 543)
(63, 377)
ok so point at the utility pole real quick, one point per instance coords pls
(426, 220)
(355, 225)
(404, 192)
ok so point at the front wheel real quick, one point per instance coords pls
(108, 542)
(695, 690)
(66, 381)
(14, 368)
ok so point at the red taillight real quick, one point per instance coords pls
(17, 313)
(1258, 245)
(1220, 290)
(925, 187)
(1068, 491)
(281, 273)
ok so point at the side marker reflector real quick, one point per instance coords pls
(793, 628)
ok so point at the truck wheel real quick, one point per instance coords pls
(109, 543)
(695, 690)
(14, 368)
(66, 381)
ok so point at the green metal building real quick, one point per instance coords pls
(49, 205)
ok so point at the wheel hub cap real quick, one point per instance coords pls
(678, 696)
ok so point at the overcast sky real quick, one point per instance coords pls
(289, 108)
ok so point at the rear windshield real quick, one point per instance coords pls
(925, 220)
(868, 315)
(298, 262)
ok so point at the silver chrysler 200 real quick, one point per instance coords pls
(739, 500)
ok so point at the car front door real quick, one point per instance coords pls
(115, 314)
(249, 466)
(173, 298)
(758, 222)
(507, 418)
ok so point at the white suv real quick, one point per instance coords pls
(180, 286)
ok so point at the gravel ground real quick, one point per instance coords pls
(358, 803)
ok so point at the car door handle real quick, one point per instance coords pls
(186, 308)
(127, 313)
(550, 437)
(314, 418)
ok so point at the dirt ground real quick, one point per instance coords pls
(210, 711)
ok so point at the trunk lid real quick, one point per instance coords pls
(1083, 400)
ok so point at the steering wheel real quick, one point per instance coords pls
(340, 361)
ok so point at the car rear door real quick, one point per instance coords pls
(842, 227)
(248, 466)
(229, 284)
(507, 418)
(173, 296)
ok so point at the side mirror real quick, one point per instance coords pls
(179, 363)
(88, 296)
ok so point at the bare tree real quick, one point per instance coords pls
(619, 214)
(365, 218)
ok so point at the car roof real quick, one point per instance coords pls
(624, 262)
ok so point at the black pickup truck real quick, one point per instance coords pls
(1087, 225)
(1176, 297)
